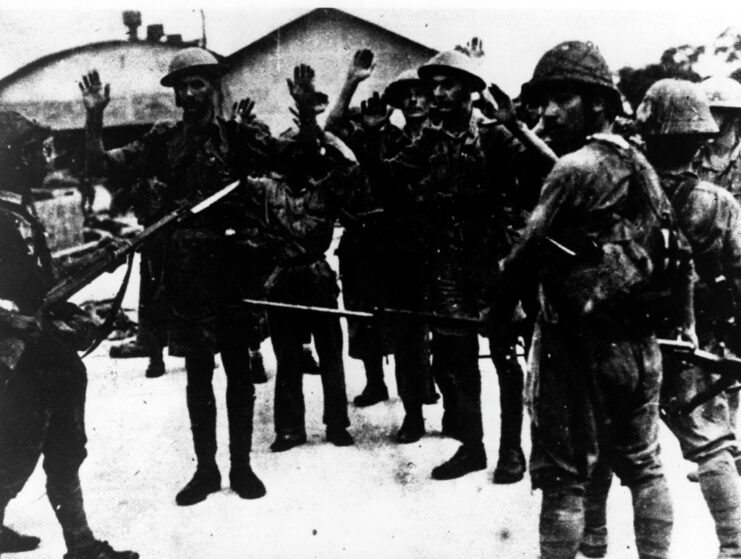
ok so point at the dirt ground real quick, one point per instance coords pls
(375, 499)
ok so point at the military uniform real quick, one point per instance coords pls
(711, 220)
(43, 381)
(294, 215)
(598, 372)
(722, 171)
(202, 277)
(457, 188)
(380, 266)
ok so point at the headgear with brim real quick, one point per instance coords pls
(722, 93)
(673, 107)
(16, 129)
(572, 63)
(456, 64)
(191, 61)
(397, 89)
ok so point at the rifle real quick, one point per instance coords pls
(107, 261)
(729, 368)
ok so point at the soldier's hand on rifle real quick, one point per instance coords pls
(688, 334)
(376, 113)
(242, 111)
(361, 67)
(95, 96)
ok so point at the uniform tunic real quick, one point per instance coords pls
(711, 219)
(42, 390)
(204, 269)
(293, 217)
(597, 374)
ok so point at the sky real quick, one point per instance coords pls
(515, 32)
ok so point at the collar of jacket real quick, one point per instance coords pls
(469, 135)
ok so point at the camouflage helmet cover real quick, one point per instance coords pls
(722, 92)
(456, 64)
(673, 106)
(192, 60)
(395, 90)
(16, 129)
(572, 62)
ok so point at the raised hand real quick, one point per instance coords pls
(242, 111)
(376, 113)
(362, 66)
(95, 97)
(301, 88)
(496, 104)
(474, 48)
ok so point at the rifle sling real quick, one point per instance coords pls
(107, 325)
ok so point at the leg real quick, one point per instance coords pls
(459, 355)
(375, 390)
(328, 339)
(443, 375)
(719, 487)
(594, 542)
(511, 464)
(652, 518)
(202, 411)
(240, 404)
(412, 367)
(561, 521)
(286, 334)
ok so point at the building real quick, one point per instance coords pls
(326, 39)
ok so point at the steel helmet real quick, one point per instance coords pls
(456, 64)
(572, 62)
(673, 106)
(722, 92)
(192, 60)
(395, 90)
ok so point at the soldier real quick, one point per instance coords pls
(295, 211)
(452, 182)
(597, 363)
(719, 160)
(202, 284)
(674, 120)
(380, 255)
(42, 379)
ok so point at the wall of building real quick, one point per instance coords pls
(326, 40)
(48, 90)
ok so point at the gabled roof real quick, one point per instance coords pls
(90, 47)
(322, 13)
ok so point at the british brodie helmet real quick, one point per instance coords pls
(456, 64)
(192, 60)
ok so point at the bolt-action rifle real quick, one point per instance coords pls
(729, 368)
(107, 260)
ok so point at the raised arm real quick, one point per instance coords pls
(95, 98)
(360, 69)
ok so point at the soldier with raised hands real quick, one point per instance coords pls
(205, 259)
(293, 215)
(380, 251)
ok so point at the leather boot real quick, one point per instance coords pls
(245, 483)
(99, 550)
(510, 466)
(413, 427)
(467, 459)
(205, 481)
(13, 542)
